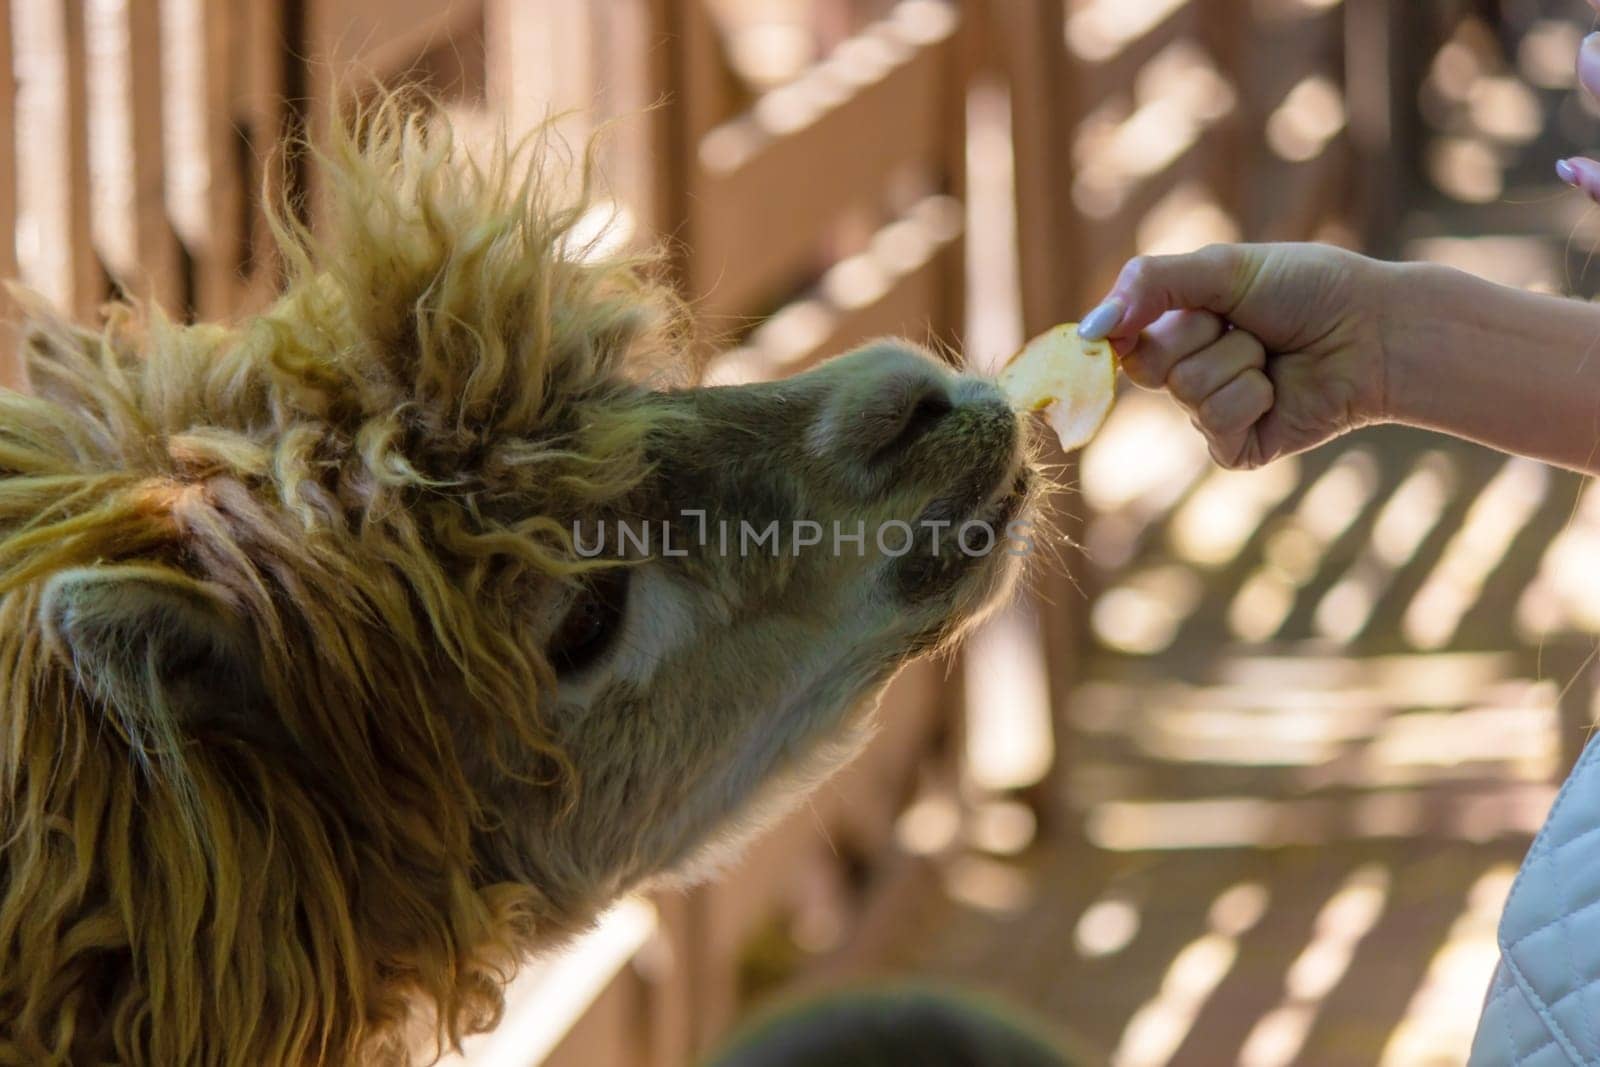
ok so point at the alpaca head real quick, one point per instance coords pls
(792, 545)
(353, 652)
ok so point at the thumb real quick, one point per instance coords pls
(1150, 286)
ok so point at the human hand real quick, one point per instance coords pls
(1273, 349)
(1579, 171)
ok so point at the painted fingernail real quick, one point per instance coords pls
(1588, 59)
(1098, 324)
(1589, 62)
(1566, 172)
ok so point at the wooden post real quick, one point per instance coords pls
(1029, 38)
(264, 115)
(11, 370)
(670, 152)
(1231, 140)
(962, 61)
(87, 279)
(674, 141)
(1044, 116)
(155, 245)
(218, 283)
(1379, 97)
(690, 88)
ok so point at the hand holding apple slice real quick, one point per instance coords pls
(1072, 380)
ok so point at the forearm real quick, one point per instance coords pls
(1514, 370)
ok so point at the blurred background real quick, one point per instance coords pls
(1245, 775)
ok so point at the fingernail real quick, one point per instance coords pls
(1566, 172)
(1098, 324)
(1591, 41)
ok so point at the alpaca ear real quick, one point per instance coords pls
(163, 652)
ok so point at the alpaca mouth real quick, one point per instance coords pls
(965, 536)
(998, 510)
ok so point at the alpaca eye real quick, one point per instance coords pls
(591, 623)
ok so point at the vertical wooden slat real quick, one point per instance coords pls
(664, 210)
(706, 100)
(965, 59)
(1375, 84)
(155, 243)
(1044, 116)
(10, 365)
(620, 40)
(691, 82)
(1044, 113)
(541, 64)
(263, 120)
(962, 62)
(218, 285)
(1230, 140)
(666, 213)
(318, 19)
(87, 279)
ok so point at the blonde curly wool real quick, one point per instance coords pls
(248, 839)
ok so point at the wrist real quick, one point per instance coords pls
(1421, 307)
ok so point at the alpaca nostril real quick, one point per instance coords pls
(879, 402)
(925, 414)
(925, 410)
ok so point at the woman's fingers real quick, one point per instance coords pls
(1196, 379)
(1173, 338)
(1228, 416)
(1582, 174)
(1151, 286)
(1589, 64)
(1223, 384)
(1216, 373)
(1237, 406)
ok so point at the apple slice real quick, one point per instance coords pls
(1072, 380)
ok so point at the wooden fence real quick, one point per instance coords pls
(807, 160)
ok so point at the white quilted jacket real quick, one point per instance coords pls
(1543, 1007)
